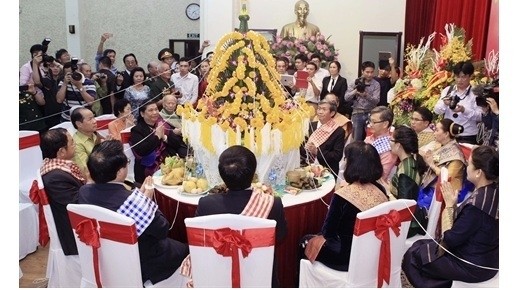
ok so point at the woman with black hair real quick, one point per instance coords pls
(405, 182)
(470, 231)
(362, 192)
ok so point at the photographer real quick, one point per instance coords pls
(37, 53)
(489, 103)
(74, 89)
(364, 96)
(458, 103)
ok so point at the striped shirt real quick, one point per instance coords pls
(73, 96)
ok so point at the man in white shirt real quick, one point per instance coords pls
(321, 73)
(458, 103)
(186, 83)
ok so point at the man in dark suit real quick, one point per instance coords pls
(237, 166)
(326, 139)
(160, 256)
(62, 179)
(336, 84)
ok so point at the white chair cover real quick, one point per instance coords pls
(66, 125)
(62, 271)
(492, 283)
(30, 158)
(126, 136)
(364, 257)
(433, 216)
(102, 123)
(118, 262)
(28, 229)
(210, 269)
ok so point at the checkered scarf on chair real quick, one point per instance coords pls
(139, 208)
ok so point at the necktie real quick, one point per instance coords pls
(332, 85)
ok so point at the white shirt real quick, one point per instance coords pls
(321, 73)
(188, 86)
(469, 118)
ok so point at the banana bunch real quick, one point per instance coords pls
(170, 163)
(174, 177)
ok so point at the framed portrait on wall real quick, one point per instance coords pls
(378, 47)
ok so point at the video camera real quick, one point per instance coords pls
(75, 74)
(46, 58)
(487, 91)
(360, 84)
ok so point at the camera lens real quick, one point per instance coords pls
(76, 76)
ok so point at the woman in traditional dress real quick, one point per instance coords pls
(405, 182)
(361, 192)
(470, 231)
(443, 152)
(149, 142)
(138, 90)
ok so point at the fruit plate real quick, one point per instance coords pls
(181, 191)
(157, 177)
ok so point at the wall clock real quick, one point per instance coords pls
(193, 11)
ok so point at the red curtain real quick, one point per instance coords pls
(432, 15)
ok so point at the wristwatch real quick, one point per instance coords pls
(81, 89)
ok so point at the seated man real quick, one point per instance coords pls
(62, 179)
(160, 256)
(326, 140)
(340, 119)
(86, 136)
(381, 118)
(237, 166)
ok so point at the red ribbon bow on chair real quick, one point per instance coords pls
(89, 233)
(40, 198)
(381, 226)
(228, 242)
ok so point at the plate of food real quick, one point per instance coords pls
(194, 187)
(171, 180)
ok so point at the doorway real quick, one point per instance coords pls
(185, 47)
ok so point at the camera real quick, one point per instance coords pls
(487, 91)
(360, 84)
(77, 76)
(46, 58)
(24, 88)
(454, 102)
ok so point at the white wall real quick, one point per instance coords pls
(342, 19)
(142, 27)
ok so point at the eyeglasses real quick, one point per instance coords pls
(375, 122)
(416, 119)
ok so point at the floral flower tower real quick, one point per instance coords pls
(244, 104)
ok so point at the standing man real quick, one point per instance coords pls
(364, 96)
(108, 52)
(386, 77)
(161, 83)
(458, 103)
(186, 83)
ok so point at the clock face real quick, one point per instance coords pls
(193, 11)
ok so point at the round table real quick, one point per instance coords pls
(304, 212)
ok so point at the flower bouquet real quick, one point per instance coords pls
(245, 105)
(428, 72)
(289, 47)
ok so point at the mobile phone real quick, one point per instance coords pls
(287, 80)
